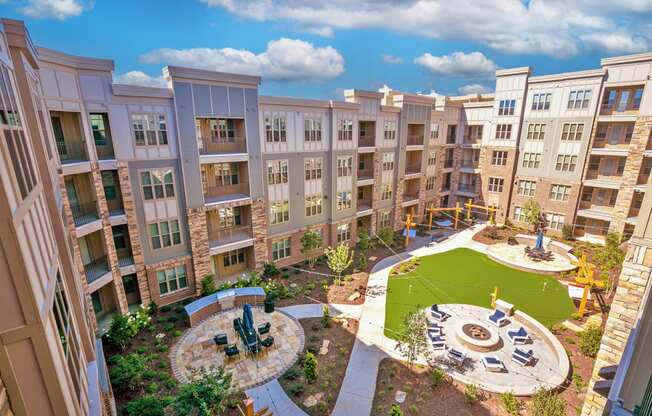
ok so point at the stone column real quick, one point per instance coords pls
(259, 229)
(398, 201)
(199, 246)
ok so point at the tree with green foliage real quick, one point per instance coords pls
(395, 410)
(208, 285)
(121, 331)
(149, 405)
(310, 367)
(510, 403)
(532, 212)
(339, 259)
(386, 236)
(413, 340)
(326, 317)
(611, 256)
(311, 242)
(205, 395)
(364, 241)
(127, 372)
(547, 403)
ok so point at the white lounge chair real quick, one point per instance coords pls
(497, 318)
(493, 364)
(456, 355)
(438, 314)
(518, 337)
(438, 343)
(522, 357)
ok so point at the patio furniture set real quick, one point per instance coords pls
(252, 341)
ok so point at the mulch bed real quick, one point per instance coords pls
(494, 235)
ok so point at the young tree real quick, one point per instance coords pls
(311, 242)
(310, 367)
(121, 331)
(386, 235)
(364, 241)
(532, 212)
(204, 395)
(413, 341)
(339, 259)
(611, 256)
(395, 410)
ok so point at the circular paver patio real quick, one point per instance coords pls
(514, 256)
(196, 349)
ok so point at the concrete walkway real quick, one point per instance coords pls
(315, 310)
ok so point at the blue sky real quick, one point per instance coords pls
(315, 49)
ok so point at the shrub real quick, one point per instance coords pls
(590, 340)
(168, 327)
(567, 232)
(547, 403)
(177, 333)
(492, 233)
(269, 270)
(578, 382)
(285, 276)
(122, 330)
(310, 367)
(363, 240)
(170, 383)
(386, 235)
(163, 348)
(173, 319)
(162, 319)
(146, 406)
(127, 373)
(292, 374)
(208, 285)
(162, 365)
(510, 403)
(395, 410)
(141, 350)
(326, 317)
(179, 309)
(152, 388)
(437, 377)
(471, 393)
(166, 308)
(295, 389)
(149, 374)
(204, 395)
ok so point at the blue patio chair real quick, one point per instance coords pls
(522, 357)
(497, 318)
(437, 314)
(456, 355)
(518, 337)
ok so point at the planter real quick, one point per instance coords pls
(269, 305)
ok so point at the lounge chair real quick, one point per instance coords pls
(267, 342)
(231, 351)
(518, 337)
(437, 314)
(522, 357)
(221, 339)
(438, 343)
(264, 328)
(456, 355)
(493, 364)
(497, 318)
(434, 331)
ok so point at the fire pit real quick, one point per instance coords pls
(477, 336)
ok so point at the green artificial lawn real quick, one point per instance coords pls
(466, 276)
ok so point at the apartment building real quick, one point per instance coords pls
(50, 360)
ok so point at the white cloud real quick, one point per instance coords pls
(458, 64)
(473, 89)
(391, 59)
(324, 31)
(616, 42)
(551, 27)
(283, 60)
(140, 78)
(53, 9)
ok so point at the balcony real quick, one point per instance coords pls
(415, 134)
(83, 214)
(365, 167)
(102, 136)
(232, 264)
(225, 182)
(448, 163)
(366, 136)
(225, 239)
(221, 136)
(472, 135)
(125, 257)
(467, 188)
(364, 200)
(113, 193)
(621, 101)
(96, 268)
(69, 137)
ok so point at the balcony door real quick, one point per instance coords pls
(58, 136)
(72, 193)
(86, 255)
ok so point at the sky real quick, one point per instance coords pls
(316, 48)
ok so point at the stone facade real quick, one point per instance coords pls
(5, 406)
(634, 278)
(398, 201)
(259, 228)
(178, 295)
(199, 245)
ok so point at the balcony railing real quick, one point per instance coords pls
(413, 169)
(471, 164)
(125, 257)
(230, 235)
(211, 146)
(409, 196)
(96, 268)
(219, 191)
(105, 150)
(466, 187)
(365, 174)
(366, 141)
(72, 151)
(415, 140)
(84, 213)
(598, 174)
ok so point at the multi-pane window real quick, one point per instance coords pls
(636, 99)
(312, 129)
(499, 158)
(165, 234)
(430, 183)
(344, 166)
(572, 131)
(149, 129)
(506, 107)
(222, 130)
(579, 99)
(234, 257)
(313, 205)
(313, 168)
(172, 279)
(536, 131)
(226, 174)
(343, 232)
(434, 130)
(100, 127)
(587, 194)
(566, 163)
(388, 161)
(280, 212)
(386, 192)
(473, 133)
(503, 131)
(385, 219)
(281, 249)
(275, 129)
(531, 160)
(229, 217)
(389, 130)
(526, 188)
(519, 214)
(277, 172)
(432, 158)
(157, 184)
(541, 101)
(555, 221)
(343, 200)
(559, 192)
(496, 184)
(345, 129)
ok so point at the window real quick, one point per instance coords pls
(566, 163)
(434, 131)
(157, 184)
(345, 130)
(165, 234)
(277, 172)
(281, 249)
(313, 205)
(536, 131)
(312, 130)
(234, 257)
(506, 107)
(496, 184)
(275, 130)
(519, 214)
(430, 183)
(451, 134)
(504, 131)
(572, 131)
(386, 192)
(587, 195)
(499, 158)
(623, 100)
(343, 233)
(343, 200)
(531, 160)
(389, 130)
(579, 99)
(629, 131)
(636, 101)
(609, 99)
(10, 114)
(555, 221)
(229, 217)
(313, 168)
(19, 153)
(526, 188)
(385, 219)
(226, 174)
(473, 133)
(280, 212)
(149, 129)
(361, 163)
(172, 279)
(344, 166)
(388, 161)
(559, 192)
(541, 101)
(222, 130)
(99, 126)
(432, 158)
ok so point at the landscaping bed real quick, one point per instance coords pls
(330, 368)
(494, 234)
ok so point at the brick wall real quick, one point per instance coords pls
(199, 245)
(169, 298)
(506, 172)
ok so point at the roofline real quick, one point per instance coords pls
(414, 98)
(194, 74)
(73, 61)
(363, 93)
(18, 36)
(627, 59)
(513, 71)
(291, 101)
(125, 90)
(565, 76)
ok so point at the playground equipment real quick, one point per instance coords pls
(489, 209)
(408, 232)
(585, 272)
(494, 297)
(458, 210)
